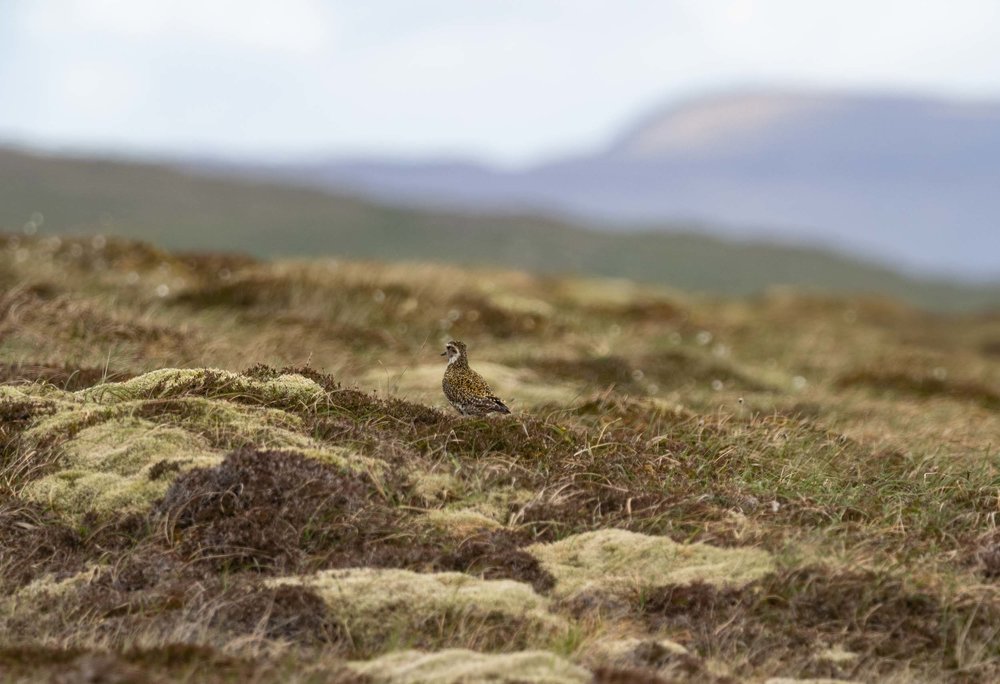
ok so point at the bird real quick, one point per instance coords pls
(466, 389)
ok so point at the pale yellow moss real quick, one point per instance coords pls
(454, 666)
(431, 487)
(224, 423)
(820, 680)
(380, 606)
(618, 560)
(51, 585)
(343, 458)
(106, 467)
(496, 502)
(106, 450)
(624, 653)
(460, 523)
(838, 655)
(66, 421)
(230, 425)
(175, 382)
(35, 390)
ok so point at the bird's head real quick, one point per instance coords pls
(454, 350)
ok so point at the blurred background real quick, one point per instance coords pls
(724, 146)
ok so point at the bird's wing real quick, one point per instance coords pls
(485, 395)
(478, 385)
(489, 404)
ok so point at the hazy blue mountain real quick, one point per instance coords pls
(906, 180)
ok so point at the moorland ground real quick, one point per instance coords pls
(219, 469)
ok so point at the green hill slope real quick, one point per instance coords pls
(183, 211)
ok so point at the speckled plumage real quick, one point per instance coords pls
(466, 389)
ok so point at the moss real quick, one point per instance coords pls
(106, 468)
(495, 502)
(430, 487)
(345, 459)
(47, 588)
(65, 422)
(617, 560)
(227, 425)
(627, 652)
(460, 523)
(810, 680)
(452, 666)
(383, 607)
(653, 660)
(173, 382)
(20, 407)
(223, 424)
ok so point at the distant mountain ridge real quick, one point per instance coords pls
(911, 181)
(189, 211)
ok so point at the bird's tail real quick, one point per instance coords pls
(499, 406)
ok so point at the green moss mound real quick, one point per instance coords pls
(173, 382)
(116, 447)
(119, 466)
(452, 666)
(383, 608)
(614, 561)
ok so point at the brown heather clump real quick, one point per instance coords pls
(219, 469)
(274, 510)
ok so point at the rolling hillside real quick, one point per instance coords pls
(220, 470)
(908, 181)
(192, 212)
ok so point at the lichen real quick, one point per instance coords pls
(615, 560)
(382, 607)
(460, 665)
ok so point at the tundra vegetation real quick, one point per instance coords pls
(218, 469)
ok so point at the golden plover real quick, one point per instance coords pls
(466, 389)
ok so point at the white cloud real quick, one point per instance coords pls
(509, 80)
(294, 26)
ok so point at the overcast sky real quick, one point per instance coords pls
(500, 80)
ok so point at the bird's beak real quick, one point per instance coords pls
(444, 353)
